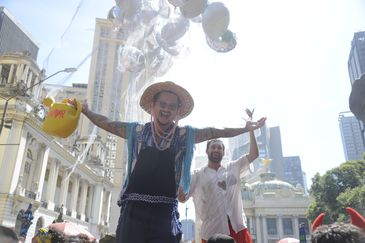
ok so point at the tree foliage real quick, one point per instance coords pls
(338, 188)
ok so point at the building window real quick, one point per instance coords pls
(271, 226)
(288, 226)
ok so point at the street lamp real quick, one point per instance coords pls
(66, 70)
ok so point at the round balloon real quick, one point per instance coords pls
(173, 31)
(224, 43)
(192, 8)
(177, 3)
(131, 59)
(215, 20)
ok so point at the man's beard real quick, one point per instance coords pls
(215, 159)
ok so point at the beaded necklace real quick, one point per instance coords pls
(165, 137)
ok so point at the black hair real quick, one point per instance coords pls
(213, 141)
(338, 233)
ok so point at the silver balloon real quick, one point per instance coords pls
(224, 43)
(177, 3)
(131, 59)
(215, 20)
(192, 8)
(173, 31)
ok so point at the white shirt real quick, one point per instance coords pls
(213, 203)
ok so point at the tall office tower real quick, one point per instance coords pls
(14, 38)
(292, 170)
(356, 65)
(352, 139)
(276, 152)
(114, 94)
(356, 62)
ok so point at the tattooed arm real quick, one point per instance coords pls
(116, 127)
(208, 133)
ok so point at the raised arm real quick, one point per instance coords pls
(208, 133)
(116, 127)
(254, 150)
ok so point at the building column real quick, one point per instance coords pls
(14, 156)
(258, 229)
(29, 79)
(74, 195)
(90, 202)
(42, 174)
(64, 189)
(107, 208)
(97, 204)
(83, 198)
(51, 187)
(264, 229)
(11, 74)
(296, 227)
(280, 226)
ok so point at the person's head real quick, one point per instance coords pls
(8, 235)
(338, 233)
(215, 150)
(166, 102)
(221, 238)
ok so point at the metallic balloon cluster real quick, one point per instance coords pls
(153, 31)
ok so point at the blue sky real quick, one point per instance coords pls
(290, 63)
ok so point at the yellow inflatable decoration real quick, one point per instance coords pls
(62, 118)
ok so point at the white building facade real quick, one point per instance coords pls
(37, 168)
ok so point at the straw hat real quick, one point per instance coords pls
(186, 101)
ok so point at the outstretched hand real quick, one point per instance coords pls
(251, 125)
(181, 196)
(84, 106)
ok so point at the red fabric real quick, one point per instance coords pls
(242, 236)
(356, 218)
(317, 222)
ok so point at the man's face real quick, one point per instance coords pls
(215, 151)
(165, 108)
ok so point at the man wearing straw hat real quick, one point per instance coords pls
(159, 159)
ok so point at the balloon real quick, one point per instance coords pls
(215, 20)
(177, 3)
(131, 59)
(224, 43)
(129, 8)
(113, 13)
(192, 8)
(173, 31)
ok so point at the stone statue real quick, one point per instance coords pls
(26, 219)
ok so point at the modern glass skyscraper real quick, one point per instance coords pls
(356, 62)
(14, 38)
(352, 139)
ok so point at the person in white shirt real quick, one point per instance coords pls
(216, 193)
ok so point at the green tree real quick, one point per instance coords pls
(338, 188)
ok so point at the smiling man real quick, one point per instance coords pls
(159, 159)
(216, 193)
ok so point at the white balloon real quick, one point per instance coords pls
(215, 20)
(192, 8)
(131, 59)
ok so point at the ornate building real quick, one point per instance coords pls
(40, 169)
